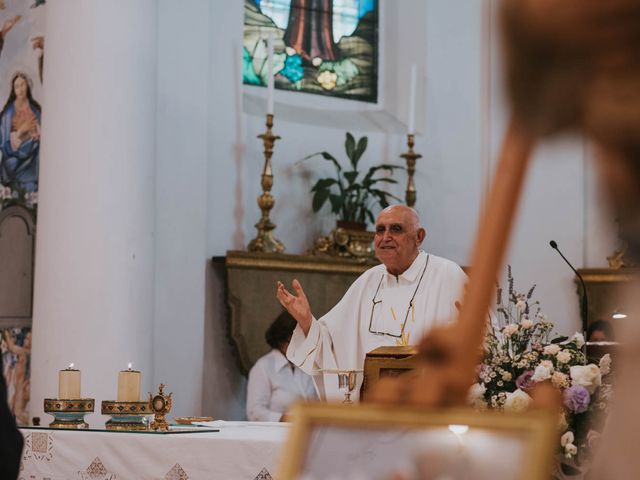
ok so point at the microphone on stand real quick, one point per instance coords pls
(585, 301)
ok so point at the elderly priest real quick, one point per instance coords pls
(390, 304)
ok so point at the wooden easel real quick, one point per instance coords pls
(449, 355)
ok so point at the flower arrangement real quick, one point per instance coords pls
(9, 197)
(520, 352)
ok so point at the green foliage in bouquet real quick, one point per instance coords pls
(353, 199)
(521, 351)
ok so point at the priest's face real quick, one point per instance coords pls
(398, 236)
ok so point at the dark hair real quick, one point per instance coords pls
(12, 95)
(603, 326)
(279, 332)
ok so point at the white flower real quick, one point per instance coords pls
(586, 375)
(547, 364)
(526, 323)
(31, 199)
(605, 364)
(578, 338)
(506, 376)
(517, 401)
(567, 438)
(521, 305)
(570, 450)
(559, 380)
(510, 329)
(5, 193)
(551, 349)
(476, 393)
(564, 356)
(541, 373)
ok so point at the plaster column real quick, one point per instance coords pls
(94, 279)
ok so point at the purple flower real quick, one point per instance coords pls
(524, 382)
(576, 399)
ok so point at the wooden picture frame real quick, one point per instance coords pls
(378, 441)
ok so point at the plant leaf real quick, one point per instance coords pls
(370, 216)
(351, 177)
(319, 198)
(324, 183)
(559, 339)
(336, 202)
(331, 158)
(350, 146)
(362, 146)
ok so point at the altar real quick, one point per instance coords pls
(238, 450)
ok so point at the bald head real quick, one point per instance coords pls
(398, 236)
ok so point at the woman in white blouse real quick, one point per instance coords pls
(274, 382)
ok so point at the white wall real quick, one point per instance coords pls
(209, 162)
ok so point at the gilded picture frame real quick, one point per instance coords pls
(378, 442)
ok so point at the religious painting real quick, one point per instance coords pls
(375, 442)
(21, 68)
(15, 348)
(326, 47)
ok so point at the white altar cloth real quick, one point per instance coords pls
(242, 451)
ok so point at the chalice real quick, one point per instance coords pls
(347, 380)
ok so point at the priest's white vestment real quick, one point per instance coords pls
(379, 309)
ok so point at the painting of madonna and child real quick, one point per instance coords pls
(325, 47)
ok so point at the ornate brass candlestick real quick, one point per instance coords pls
(410, 156)
(265, 241)
(69, 413)
(126, 415)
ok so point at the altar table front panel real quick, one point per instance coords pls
(250, 452)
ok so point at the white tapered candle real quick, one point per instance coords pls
(270, 79)
(412, 100)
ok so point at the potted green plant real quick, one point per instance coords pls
(353, 197)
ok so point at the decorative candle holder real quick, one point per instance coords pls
(69, 413)
(265, 241)
(410, 156)
(126, 415)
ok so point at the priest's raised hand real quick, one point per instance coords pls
(297, 305)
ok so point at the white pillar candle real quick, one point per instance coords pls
(270, 79)
(129, 385)
(69, 384)
(412, 100)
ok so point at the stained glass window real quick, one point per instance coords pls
(327, 47)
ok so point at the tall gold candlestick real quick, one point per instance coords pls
(410, 156)
(265, 241)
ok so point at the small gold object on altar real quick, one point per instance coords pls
(265, 241)
(190, 420)
(161, 405)
(410, 156)
(346, 241)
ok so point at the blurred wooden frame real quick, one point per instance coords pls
(537, 428)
